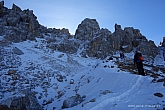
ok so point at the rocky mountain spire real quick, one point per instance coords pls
(87, 29)
(3, 10)
(17, 25)
(16, 8)
(1, 4)
(117, 27)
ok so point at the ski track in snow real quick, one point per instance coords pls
(124, 97)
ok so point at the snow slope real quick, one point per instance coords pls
(103, 84)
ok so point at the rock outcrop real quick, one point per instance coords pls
(17, 51)
(3, 10)
(99, 46)
(17, 25)
(61, 40)
(130, 38)
(101, 43)
(27, 102)
(72, 101)
(87, 30)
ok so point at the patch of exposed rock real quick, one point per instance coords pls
(158, 94)
(27, 102)
(72, 101)
(17, 51)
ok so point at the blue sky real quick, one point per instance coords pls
(146, 15)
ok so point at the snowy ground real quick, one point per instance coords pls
(49, 73)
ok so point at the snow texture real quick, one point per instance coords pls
(48, 73)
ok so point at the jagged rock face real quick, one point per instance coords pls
(117, 38)
(148, 48)
(3, 10)
(130, 38)
(93, 39)
(18, 25)
(67, 46)
(1, 4)
(126, 39)
(87, 30)
(61, 40)
(16, 8)
(58, 32)
(102, 43)
(99, 47)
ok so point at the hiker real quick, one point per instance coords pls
(138, 60)
(122, 55)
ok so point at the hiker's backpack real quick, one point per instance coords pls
(140, 58)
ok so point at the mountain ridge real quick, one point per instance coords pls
(18, 25)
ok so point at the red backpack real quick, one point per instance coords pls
(141, 58)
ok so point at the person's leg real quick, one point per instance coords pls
(142, 69)
(138, 67)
